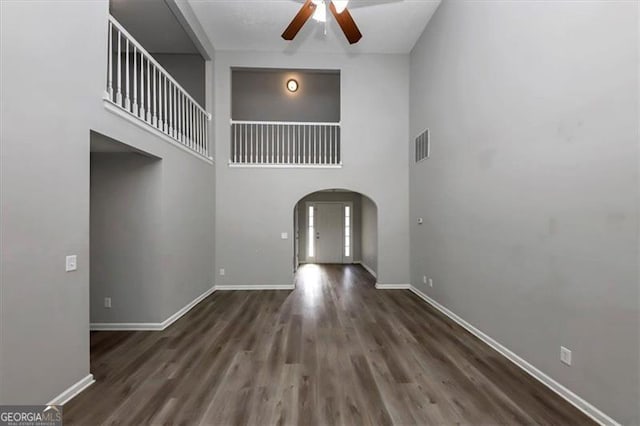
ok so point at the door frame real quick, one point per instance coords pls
(345, 259)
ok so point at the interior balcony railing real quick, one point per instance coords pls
(139, 85)
(285, 144)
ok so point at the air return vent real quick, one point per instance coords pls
(423, 146)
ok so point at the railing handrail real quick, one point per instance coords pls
(144, 51)
(287, 123)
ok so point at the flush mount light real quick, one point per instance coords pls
(292, 85)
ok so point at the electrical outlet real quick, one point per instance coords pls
(284, 236)
(107, 302)
(565, 355)
(430, 282)
(222, 271)
(424, 279)
(71, 263)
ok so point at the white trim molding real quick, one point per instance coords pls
(72, 390)
(284, 166)
(575, 400)
(381, 286)
(120, 111)
(256, 287)
(367, 267)
(151, 326)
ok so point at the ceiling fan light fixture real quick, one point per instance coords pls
(320, 14)
(340, 5)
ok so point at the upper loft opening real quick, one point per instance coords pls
(261, 94)
(154, 25)
(287, 118)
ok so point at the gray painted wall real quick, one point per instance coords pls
(530, 199)
(188, 70)
(369, 233)
(346, 197)
(44, 180)
(375, 152)
(261, 95)
(125, 221)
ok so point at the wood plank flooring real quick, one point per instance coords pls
(333, 351)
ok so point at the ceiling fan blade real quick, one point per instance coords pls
(348, 25)
(299, 20)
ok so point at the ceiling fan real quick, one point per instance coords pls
(318, 9)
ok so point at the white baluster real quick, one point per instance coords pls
(199, 129)
(331, 145)
(262, 144)
(304, 144)
(119, 87)
(148, 90)
(180, 119)
(234, 141)
(110, 64)
(244, 144)
(142, 115)
(187, 127)
(127, 99)
(325, 145)
(160, 102)
(189, 122)
(166, 94)
(155, 98)
(135, 80)
(170, 124)
(272, 148)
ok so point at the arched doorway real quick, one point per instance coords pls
(336, 226)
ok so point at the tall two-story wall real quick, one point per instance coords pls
(255, 205)
(53, 57)
(530, 197)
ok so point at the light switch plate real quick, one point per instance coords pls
(284, 235)
(71, 263)
(565, 355)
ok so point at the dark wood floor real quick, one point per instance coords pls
(334, 351)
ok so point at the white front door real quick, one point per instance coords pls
(329, 232)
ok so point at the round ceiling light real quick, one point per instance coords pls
(292, 85)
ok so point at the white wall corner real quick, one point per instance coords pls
(575, 400)
(368, 268)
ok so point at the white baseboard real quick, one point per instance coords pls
(126, 326)
(72, 390)
(256, 287)
(368, 268)
(150, 326)
(543, 378)
(381, 286)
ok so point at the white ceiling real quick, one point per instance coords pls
(387, 26)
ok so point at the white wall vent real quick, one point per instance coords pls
(423, 146)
